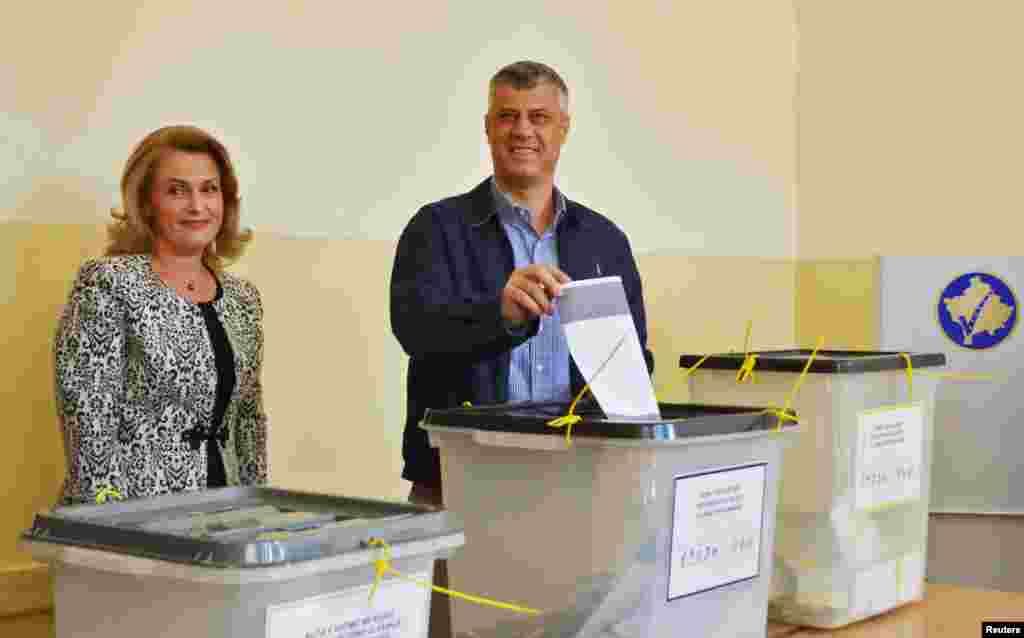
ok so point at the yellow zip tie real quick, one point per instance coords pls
(107, 493)
(746, 371)
(570, 418)
(383, 566)
(796, 386)
(803, 373)
(910, 376)
(782, 415)
(689, 371)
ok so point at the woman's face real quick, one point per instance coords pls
(187, 203)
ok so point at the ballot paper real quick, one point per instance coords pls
(604, 344)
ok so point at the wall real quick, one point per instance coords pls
(837, 300)
(909, 128)
(342, 122)
(35, 262)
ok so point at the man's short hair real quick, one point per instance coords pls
(527, 74)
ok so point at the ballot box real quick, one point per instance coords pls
(852, 526)
(633, 528)
(241, 561)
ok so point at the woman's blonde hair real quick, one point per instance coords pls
(132, 231)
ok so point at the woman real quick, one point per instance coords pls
(159, 350)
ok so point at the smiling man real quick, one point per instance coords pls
(476, 277)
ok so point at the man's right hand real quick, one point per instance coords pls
(530, 292)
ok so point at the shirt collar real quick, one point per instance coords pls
(508, 211)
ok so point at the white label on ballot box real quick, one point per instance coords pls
(890, 446)
(399, 610)
(716, 529)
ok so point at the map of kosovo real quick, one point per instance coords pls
(979, 309)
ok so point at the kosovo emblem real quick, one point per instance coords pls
(977, 310)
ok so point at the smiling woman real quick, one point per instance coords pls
(172, 159)
(159, 351)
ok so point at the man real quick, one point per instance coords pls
(476, 276)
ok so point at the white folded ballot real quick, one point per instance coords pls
(604, 344)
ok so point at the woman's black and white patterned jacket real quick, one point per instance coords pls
(135, 369)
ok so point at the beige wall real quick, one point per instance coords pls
(910, 128)
(343, 121)
(837, 301)
(700, 305)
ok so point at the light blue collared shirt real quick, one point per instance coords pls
(540, 367)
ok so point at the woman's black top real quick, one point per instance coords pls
(225, 362)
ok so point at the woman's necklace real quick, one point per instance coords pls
(191, 283)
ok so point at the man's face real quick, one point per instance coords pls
(526, 129)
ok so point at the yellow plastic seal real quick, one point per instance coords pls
(383, 567)
(107, 493)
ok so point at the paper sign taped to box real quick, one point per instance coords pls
(604, 344)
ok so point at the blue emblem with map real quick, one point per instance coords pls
(977, 310)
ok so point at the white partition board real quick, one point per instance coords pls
(979, 425)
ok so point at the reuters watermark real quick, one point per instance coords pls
(1002, 628)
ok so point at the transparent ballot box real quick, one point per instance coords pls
(852, 525)
(635, 528)
(240, 561)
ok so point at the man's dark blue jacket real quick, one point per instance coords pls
(452, 262)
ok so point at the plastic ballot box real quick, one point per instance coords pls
(241, 561)
(633, 528)
(852, 526)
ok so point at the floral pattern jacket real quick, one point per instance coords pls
(135, 370)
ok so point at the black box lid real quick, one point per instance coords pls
(678, 420)
(825, 361)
